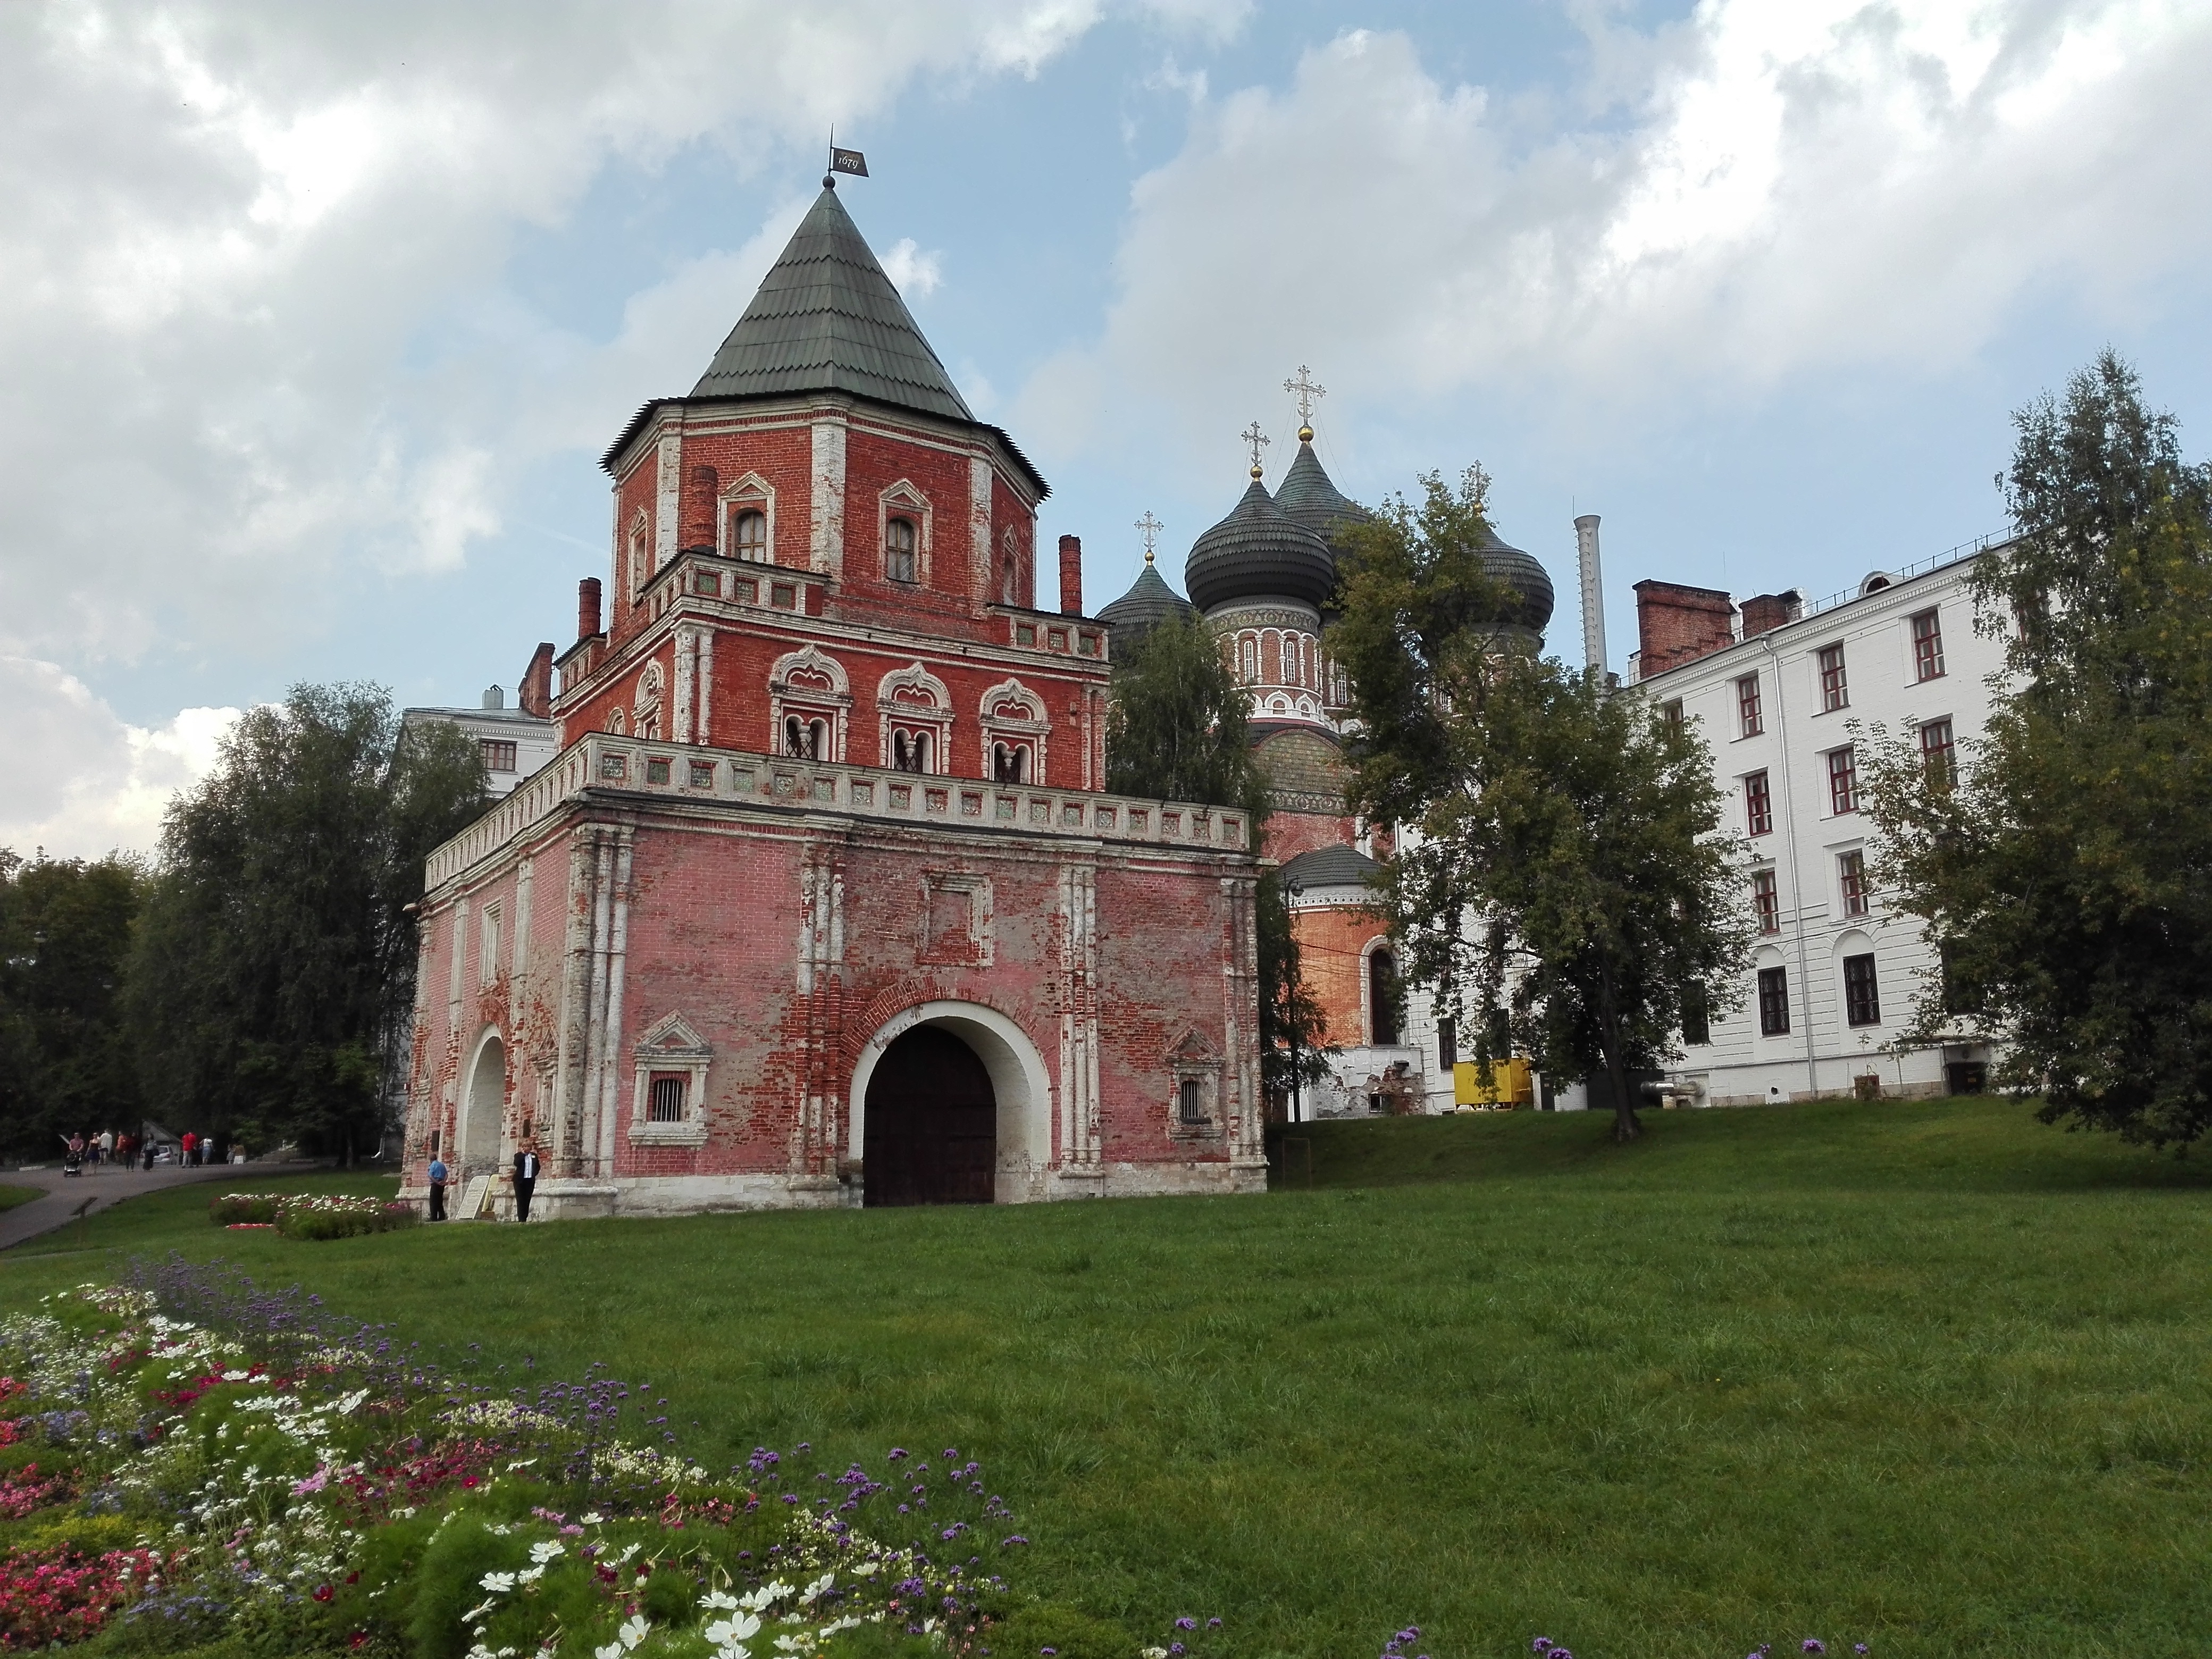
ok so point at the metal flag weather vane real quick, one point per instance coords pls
(1254, 438)
(850, 162)
(1308, 394)
(1151, 527)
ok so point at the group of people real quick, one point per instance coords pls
(526, 1182)
(109, 1148)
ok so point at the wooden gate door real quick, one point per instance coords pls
(930, 1134)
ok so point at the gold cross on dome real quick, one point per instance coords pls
(1151, 527)
(1307, 392)
(1253, 440)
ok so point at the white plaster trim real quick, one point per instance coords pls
(690, 1054)
(905, 499)
(752, 491)
(826, 546)
(667, 488)
(936, 720)
(1032, 728)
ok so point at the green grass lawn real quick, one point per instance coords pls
(11, 1196)
(1935, 1377)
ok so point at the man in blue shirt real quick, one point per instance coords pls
(437, 1187)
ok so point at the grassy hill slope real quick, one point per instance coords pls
(1934, 1377)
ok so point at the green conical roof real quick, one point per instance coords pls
(826, 319)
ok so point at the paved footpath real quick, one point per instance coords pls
(106, 1185)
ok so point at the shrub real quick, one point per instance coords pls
(233, 1208)
(311, 1215)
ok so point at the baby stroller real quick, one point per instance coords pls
(73, 1159)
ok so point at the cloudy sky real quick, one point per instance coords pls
(316, 317)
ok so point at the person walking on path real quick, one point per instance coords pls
(188, 1143)
(437, 1188)
(146, 1153)
(525, 1179)
(107, 1145)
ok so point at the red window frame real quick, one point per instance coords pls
(1843, 780)
(1758, 805)
(1851, 876)
(1835, 686)
(1750, 718)
(1938, 750)
(1927, 645)
(1766, 901)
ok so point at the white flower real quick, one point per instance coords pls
(723, 1632)
(590, 1517)
(761, 1598)
(627, 1551)
(478, 1612)
(866, 1568)
(605, 1650)
(718, 1601)
(633, 1630)
(496, 1582)
(545, 1550)
(814, 1591)
(530, 1575)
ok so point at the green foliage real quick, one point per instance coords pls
(1069, 1632)
(1565, 881)
(273, 972)
(1179, 728)
(2068, 868)
(66, 1061)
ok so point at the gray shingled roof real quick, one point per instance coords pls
(1258, 552)
(827, 318)
(1310, 498)
(1330, 866)
(1149, 602)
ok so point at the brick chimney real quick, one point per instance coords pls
(705, 489)
(587, 608)
(1676, 624)
(1766, 612)
(1071, 575)
(535, 695)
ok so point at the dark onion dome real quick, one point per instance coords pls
(1308, 496)
(1510, 568)
(1258, 552)
(1329, 866)
(1149, 602)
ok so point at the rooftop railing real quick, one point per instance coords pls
(1963, 550)
(678, 772)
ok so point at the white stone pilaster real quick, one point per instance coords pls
(826, 549)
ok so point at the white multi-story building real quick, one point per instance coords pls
(1786, 696)
(515, 742)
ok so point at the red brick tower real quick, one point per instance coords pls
(821, 899)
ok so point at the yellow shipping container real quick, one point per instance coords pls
(1510, 1084)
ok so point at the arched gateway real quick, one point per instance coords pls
(930, 1134)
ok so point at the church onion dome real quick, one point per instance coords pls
(1149, 602)
(1258, 552)
(1308, 497)
(1329, 866)
(1510, 568)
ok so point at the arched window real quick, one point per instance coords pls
(910, 750)
(1249, 657)
(898, 550)
(1382, 998)
(1009, 763)
(803, 739)
(1010, 587)
(749, 535)
(1291, 660)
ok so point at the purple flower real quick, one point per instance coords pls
(951, 1452)
(897, 1452)
(1814, 1645)
(1175, 1647)
(1541, 1644)
(1858, 1647)
(1186, 1623)
(1048, 1650)
(1213, 1624)
(1019, 1538)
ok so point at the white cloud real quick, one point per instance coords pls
(247, 249)
(1777, 186)
(913, 273)
(82, 783)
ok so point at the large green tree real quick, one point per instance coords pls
(65, 1062)
(273, 975)
(2064, 863)
(1178, 728)
(1561, 881)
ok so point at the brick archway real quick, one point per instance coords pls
(1020, 1086)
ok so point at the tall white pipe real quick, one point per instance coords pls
(1593, 592)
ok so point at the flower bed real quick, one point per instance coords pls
(311, 1215)
(198, 1461)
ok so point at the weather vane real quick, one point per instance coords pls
(1151, 527)
(1308, 394)
(1254, 438)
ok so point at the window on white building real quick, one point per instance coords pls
(1938, 752)
(1774, 1002)
(1835, 690)
(1927, 647)
(1843, 780)
(498, 754)
(1749, 720)
(1766, 901)
(1851, 879)
(1758, 805)
(1862, 997)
